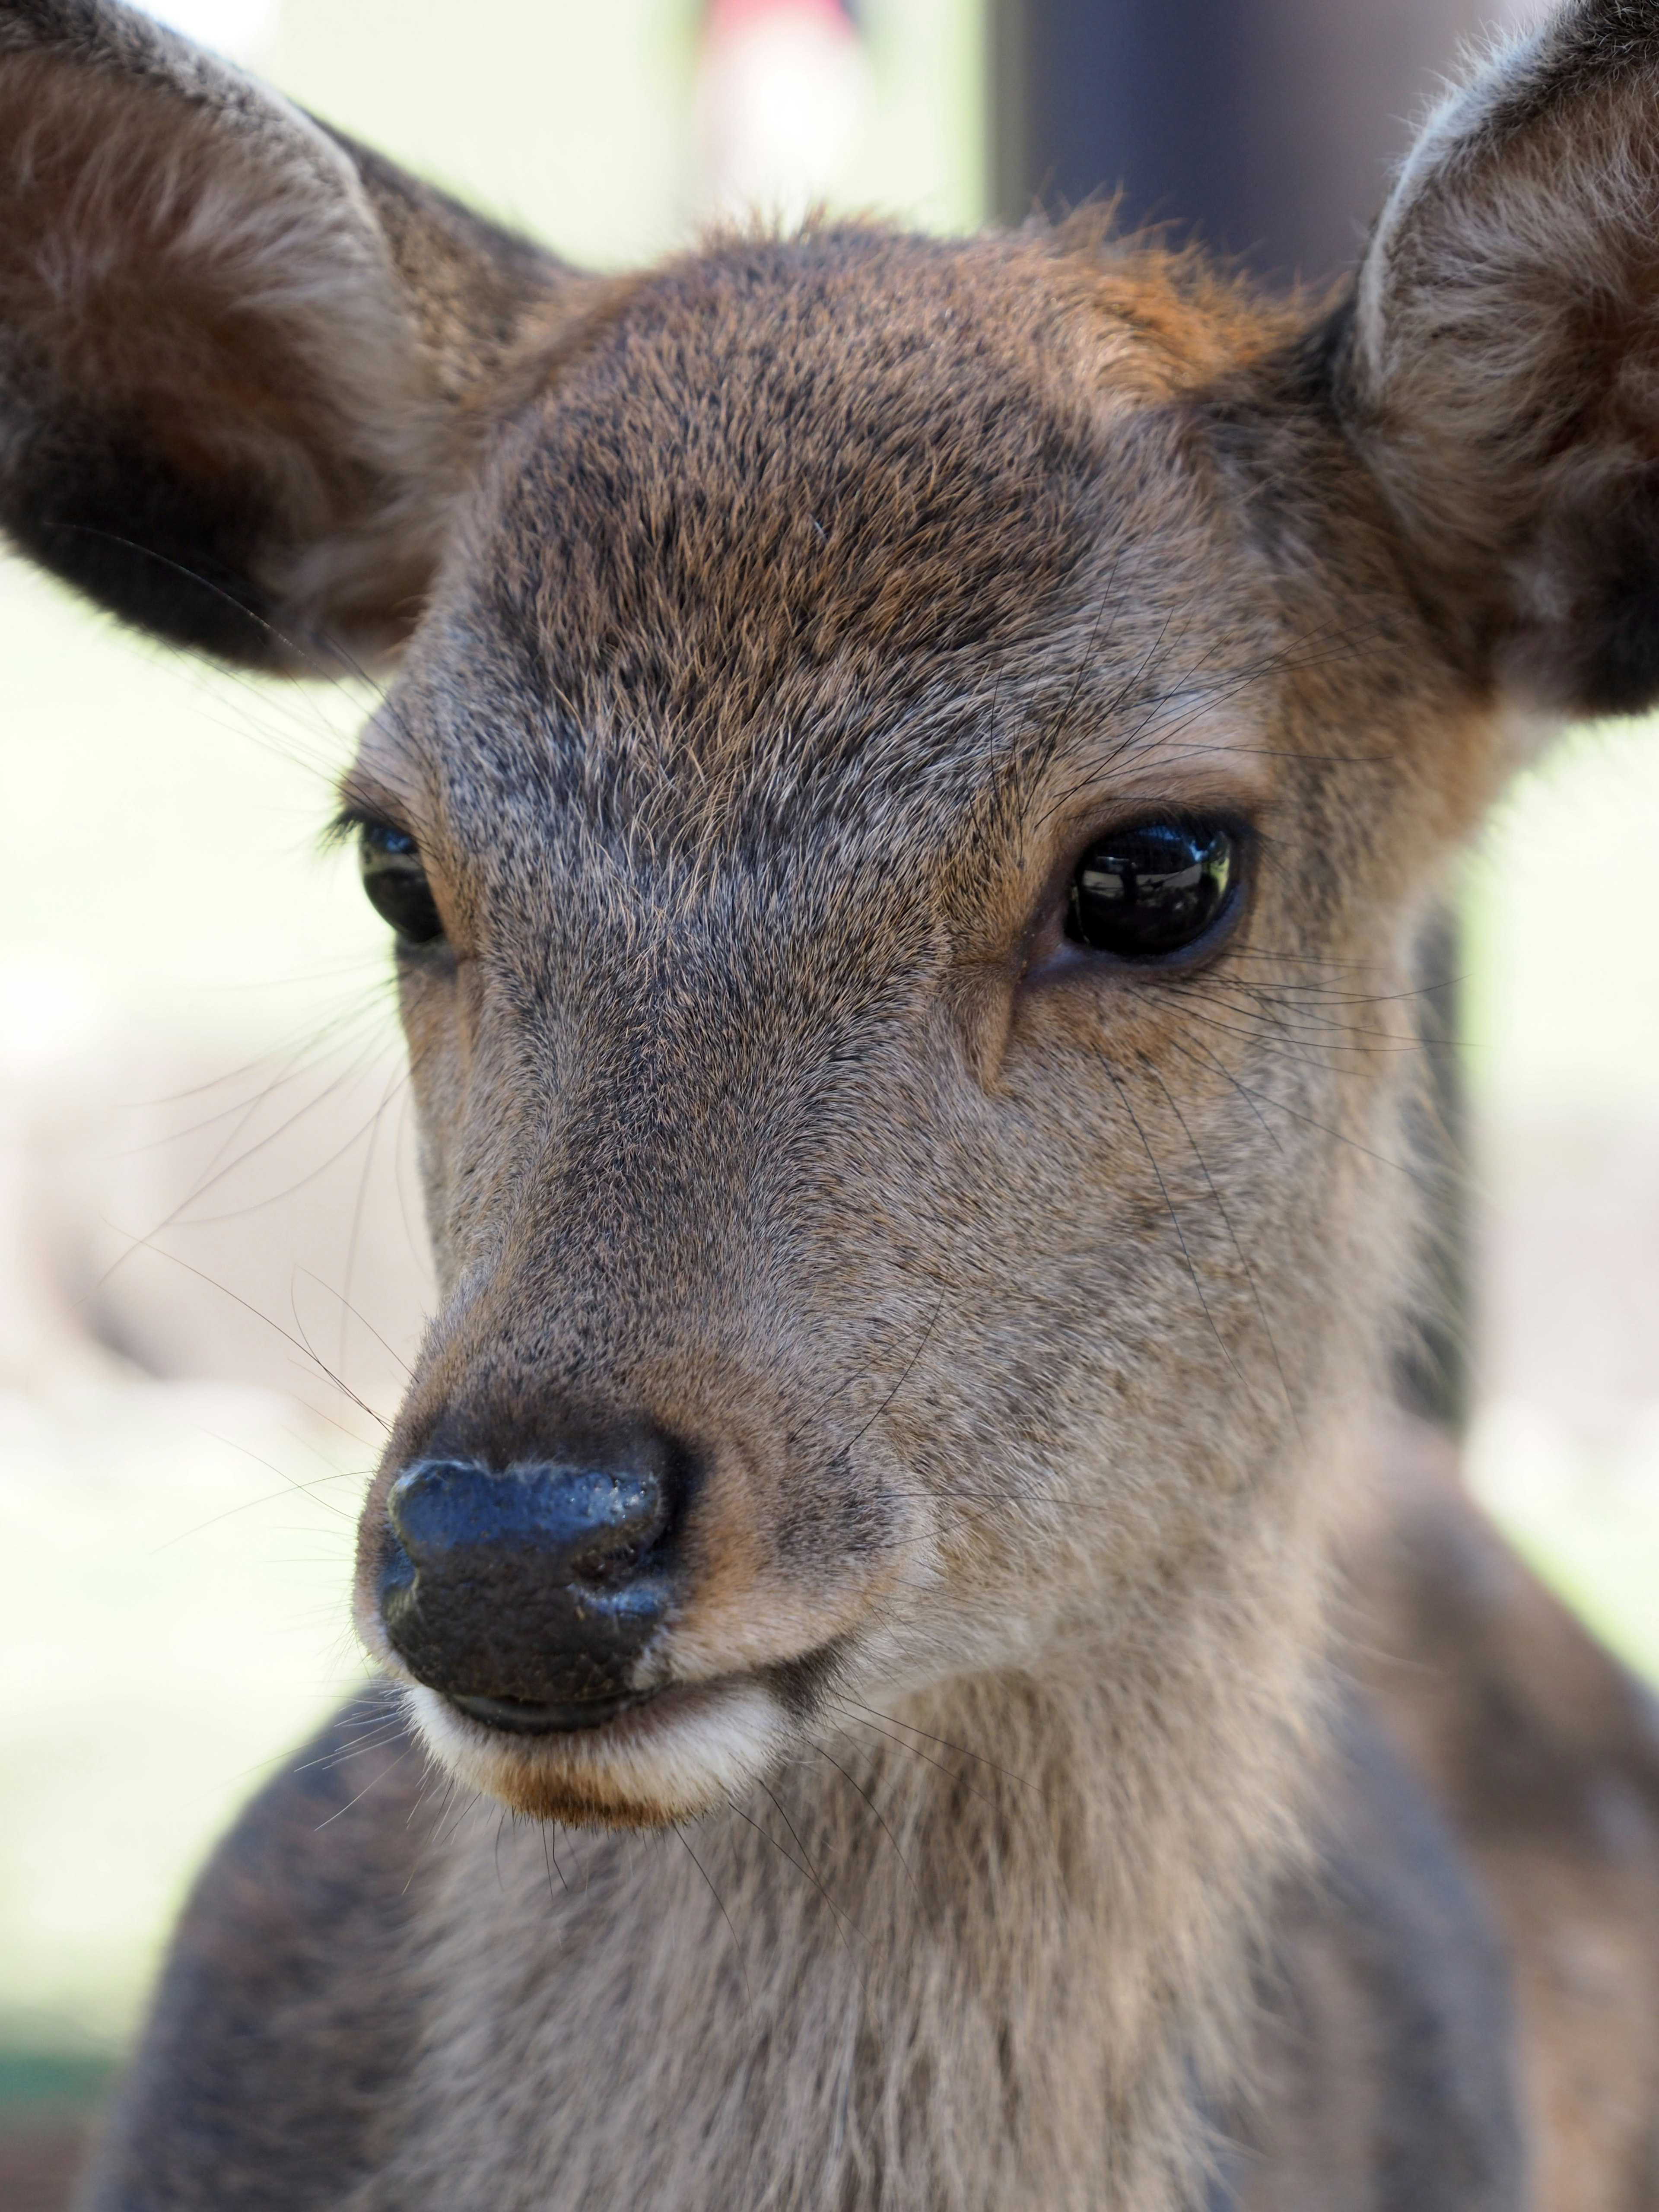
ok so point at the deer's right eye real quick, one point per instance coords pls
(396, 882)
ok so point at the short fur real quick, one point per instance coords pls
(781, 624)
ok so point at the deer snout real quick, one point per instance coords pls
(526, 1595)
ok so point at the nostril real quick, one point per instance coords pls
(528, 1588)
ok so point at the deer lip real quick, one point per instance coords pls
(520, 1717)
(631, 1719)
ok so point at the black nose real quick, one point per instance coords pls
(526, 1595)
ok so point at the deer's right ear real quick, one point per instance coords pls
(241, 361)
(1500, 370)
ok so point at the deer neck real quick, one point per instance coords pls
(985, 1946)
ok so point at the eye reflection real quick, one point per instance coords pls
(1153, 888)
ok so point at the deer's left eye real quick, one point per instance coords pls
(396, 882)
(1154, 888)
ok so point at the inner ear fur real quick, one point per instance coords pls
(1500, 365)
(244, 363)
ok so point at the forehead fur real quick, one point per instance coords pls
(834, 472)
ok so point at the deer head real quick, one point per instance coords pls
(910, 778)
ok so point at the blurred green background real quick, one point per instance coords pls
(177, 1520)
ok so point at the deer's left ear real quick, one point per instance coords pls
(1501, 369)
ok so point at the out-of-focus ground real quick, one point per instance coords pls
(210, 1261)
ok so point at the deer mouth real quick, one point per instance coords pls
(665, 1756)
(644, 1759)
(530, 1717)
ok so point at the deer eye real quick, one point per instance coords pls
(396, 886)
(1154, 888)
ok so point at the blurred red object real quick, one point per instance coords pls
(781, 91)
(722, 17)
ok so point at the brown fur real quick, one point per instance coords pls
(784, 623)
(1546, 1755)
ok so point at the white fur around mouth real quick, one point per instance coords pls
(671, 1756)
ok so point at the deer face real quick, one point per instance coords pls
(891, 871)
(912, 779)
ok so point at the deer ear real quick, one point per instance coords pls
(1501, 367)
(242, 363)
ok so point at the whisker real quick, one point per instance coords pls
(364, 1791)
(749, 1821)
(961, 1780)
(875, 1810)
(945, 1742)
(743, 1964)
(224, 1290)
(1174, 1218)
(1249, 1272)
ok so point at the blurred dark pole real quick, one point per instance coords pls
(1264, 128)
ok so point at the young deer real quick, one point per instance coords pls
(912, 777)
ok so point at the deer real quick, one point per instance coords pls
(916, 1667)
